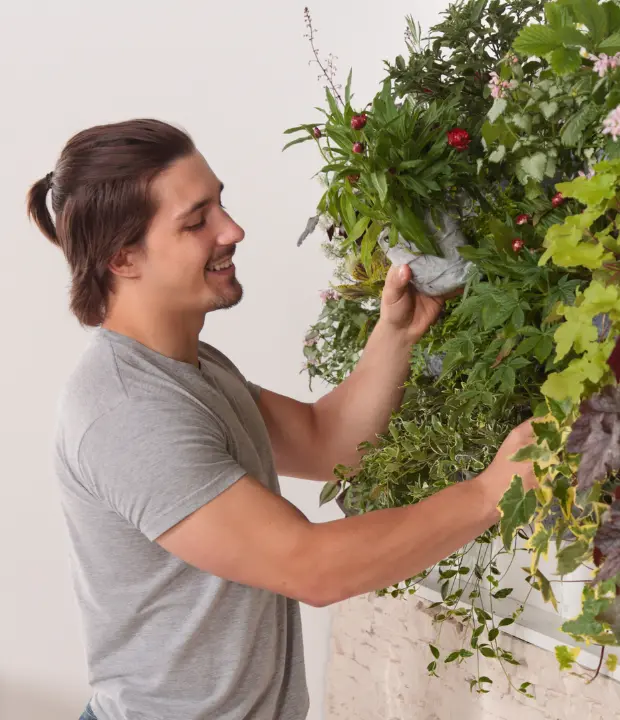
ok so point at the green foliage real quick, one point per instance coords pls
(535, 327)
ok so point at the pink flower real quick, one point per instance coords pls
(498, 86)
(603, 63)
(588, 175)
(611, 124)
(330, 294)
(310, 341)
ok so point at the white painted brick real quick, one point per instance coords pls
(379, 655)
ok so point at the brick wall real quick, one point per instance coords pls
(377, 671)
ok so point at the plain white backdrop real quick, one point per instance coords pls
(235, 75)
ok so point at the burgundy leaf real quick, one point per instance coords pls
(607, 542)
(614, 360)
(596, 435)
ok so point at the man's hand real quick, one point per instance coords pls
(496, 479)
(405, 309)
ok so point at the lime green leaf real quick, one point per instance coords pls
(612, 662)
(517, 508)
(599, 298)
(539, 541)
(566, 656)
(577, 332)
(590, 191)
(531, 452)
(572, 556)
(536, 40)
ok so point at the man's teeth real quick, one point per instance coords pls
(223, 265)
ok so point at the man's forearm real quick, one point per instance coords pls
(372, 551)
(360, 408)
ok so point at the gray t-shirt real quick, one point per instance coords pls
(142, 442)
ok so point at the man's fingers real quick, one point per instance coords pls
(396, 283)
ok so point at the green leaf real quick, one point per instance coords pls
(565, 61)
(610, 45)
(347, 90)
(358, 229)
(380, 182)
(572, 556)
(296, 142)
(493, 634)
(612, 662)
(329, 492)
(505, 622)
(566, 656)
(435, 651)
(503, 593)
(488, 652)
(369, 242)
(517, 508)
(536, 40)
(549, 109)
(498, 155)
(452, 657)
(573, 129)
(593, 16)
(577, 332)
(534, 166)
(545, 589)
(497, 109)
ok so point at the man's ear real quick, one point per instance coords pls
(127, 262)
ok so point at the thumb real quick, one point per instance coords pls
(396, 283)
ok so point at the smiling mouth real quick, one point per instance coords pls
(220, 265)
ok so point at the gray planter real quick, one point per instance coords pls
(433, 275)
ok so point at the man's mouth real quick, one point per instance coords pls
(219, 265)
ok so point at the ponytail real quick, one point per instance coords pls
(37, 208)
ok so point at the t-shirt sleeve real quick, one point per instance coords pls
(155, 464)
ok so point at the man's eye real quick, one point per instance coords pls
(197, 226)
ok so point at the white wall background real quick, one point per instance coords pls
(234, 74)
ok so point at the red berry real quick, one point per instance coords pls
(557, 200)
(427, 91)
(353, 178)
(317, 132)
(358, 147)
(459, 139)
(358, 121)
(517, 245)
(522, 219)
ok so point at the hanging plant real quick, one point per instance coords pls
(502, 132)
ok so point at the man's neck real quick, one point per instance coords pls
(174, 337)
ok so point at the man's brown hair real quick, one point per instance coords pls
(100, 196)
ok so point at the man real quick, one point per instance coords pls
(188, 563)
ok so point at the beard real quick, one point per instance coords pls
(229, 298)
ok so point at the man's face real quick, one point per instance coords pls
(187, 265)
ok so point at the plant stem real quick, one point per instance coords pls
(315, 52)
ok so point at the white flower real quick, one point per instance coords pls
(611, 124)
